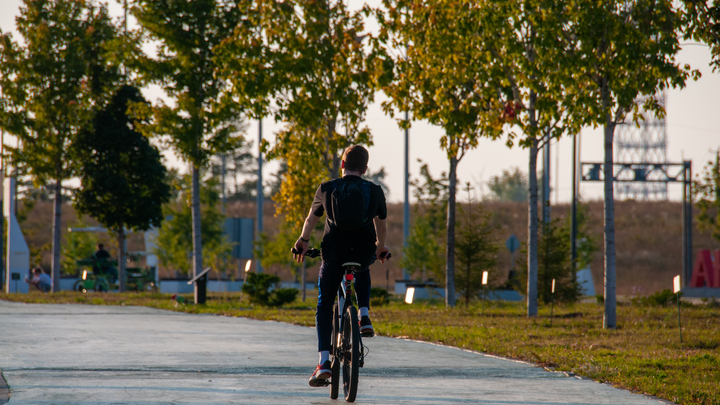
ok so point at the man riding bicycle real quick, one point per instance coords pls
(355, 231)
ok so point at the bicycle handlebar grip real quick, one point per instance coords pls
(309, 253)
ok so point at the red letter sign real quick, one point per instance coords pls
(703, 274)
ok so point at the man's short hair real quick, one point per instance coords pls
(101, 246)
(37, 270)
(356, 158)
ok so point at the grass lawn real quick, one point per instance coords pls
(643, 354)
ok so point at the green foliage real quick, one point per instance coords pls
(378, 178)
(122, 179)
(202, 120)
(618, 75)
(379, 296)
(258, 285)
(277, 251)
(554, 262)
(53, 81)
(308, 57)
(662, 298)
(701, 22)
(511, 185)
(587, 244)
(174, 241)
(424, 253)
(476, 249)
(78, 245)
(706, 190)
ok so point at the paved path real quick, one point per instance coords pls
(78, 354)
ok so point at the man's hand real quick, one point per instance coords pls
(381, 253)
(302, 247)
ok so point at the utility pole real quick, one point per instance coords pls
(260, 197)
(574, 230)
(406, 204)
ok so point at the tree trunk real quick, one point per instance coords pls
(450, 249)
(197, 239)
(532, 243)
(121, 260)
(57, 213)
(609, 319)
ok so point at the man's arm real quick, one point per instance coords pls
(302, 245)
(381, 231)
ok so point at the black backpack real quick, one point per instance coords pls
(350, 201)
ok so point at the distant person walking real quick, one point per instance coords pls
(42, 281)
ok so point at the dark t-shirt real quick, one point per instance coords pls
(340, 246)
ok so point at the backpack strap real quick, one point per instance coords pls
(365, 187)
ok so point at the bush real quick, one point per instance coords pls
(660, 299)
(282, 296)
(379, 296)
(258, 286)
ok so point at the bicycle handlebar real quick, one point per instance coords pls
(312, 253)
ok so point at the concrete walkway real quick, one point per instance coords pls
(78, 354)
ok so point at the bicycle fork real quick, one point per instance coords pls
(346, 289)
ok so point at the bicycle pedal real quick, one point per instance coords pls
(322, 383)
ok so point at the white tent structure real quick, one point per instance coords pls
(18, 255)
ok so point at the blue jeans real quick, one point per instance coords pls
(329, 280)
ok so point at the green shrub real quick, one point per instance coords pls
(659, 299)
(282, 296)
(257, 287)
(379, 296)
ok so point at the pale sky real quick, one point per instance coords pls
(693, 133)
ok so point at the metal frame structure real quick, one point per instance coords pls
(652, 173)
(644, 145)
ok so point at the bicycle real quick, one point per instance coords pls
(348, 351)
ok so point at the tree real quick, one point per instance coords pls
(476, 248)
(51, 85)
(122, 178)
(538, 90)
(378, 178)
(443, 78)
(554, 263)
(620, 51)
(511, 185)
(424, 251)
(175, 236)
(308, 58)
(707, 194)
(203, 120)
(701, 22)
(78, 245)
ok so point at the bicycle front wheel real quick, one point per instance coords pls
(336, 353)
(351, 353)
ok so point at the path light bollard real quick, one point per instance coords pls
(676, 290)
(409, 295)
(552, 300)
(484, 283)
(247, 269)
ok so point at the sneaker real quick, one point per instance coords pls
(321, 376)
(366, 328)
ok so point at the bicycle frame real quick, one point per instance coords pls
(345, 301)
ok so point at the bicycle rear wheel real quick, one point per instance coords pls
(336, 350)
(351, 353)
